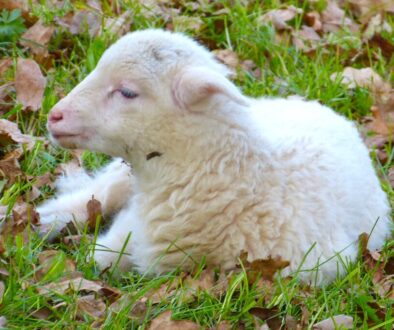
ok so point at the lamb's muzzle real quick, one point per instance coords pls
(214, 172)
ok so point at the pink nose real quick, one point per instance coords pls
(55, 116)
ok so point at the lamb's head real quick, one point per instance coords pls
(142, 79)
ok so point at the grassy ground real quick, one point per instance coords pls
(284, 71)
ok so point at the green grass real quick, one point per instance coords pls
(284, 71)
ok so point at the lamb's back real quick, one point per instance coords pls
(310, 137)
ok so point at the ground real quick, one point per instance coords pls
(276, 48)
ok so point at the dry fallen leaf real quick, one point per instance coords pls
(313, 20)
(164, 322)
(269, 315)
(23, 5)
(279, 17)
(365, 9)
(366, 78)
(42, 313)
(228, 57)
(78, 284)
(37, 37)
(376, 25)
(264, 267)
(119, 25)
(90, 305)
(224, 325)
(10, 133)
(78, 22)
(136, 309)
(187, 23)
(383, 110)
(335, 322)
(29, 84)
(165, 291)
(334, 18)
(95, 212)
(10, 168)
(204, 282)
(48, 258)
(5, 64)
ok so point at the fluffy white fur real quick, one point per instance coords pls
(272, 177)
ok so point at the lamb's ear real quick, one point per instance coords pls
(194, 85)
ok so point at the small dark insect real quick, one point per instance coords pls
(153, 154)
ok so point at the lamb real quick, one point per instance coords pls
(213, 172)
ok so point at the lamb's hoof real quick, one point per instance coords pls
(51, 224)
(106, 260)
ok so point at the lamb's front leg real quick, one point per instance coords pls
(113, 248)
(112, 186)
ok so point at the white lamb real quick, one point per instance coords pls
(213, 172)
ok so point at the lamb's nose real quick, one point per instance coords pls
(55, 116)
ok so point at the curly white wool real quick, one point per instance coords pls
(214, 172)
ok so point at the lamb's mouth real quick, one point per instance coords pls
(68, 140)
(59, 136)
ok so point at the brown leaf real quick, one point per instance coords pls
(47, 260)
(279, 17)
(366, 78)
(383, 110)
(389, 267)
(305, 39)
(313, 20)
(164, 322)
(204, 282)
(365, 9)
(335, 322)
(228, 57)
(308, 33)
(224, 325)
(91, 306)
(187, 23)
(165, 291)
(24, 214)
(136, 309)
(23, 5)
(10, 169)
(95, 212)
(119, 25)
(80, 21)
(29, 84)
(269, 315)
(378, 124)
(376, 25)
(386, 46)
(333, 18)
(4, 273)
(77, 284)
(385, 286)
(42, 313)
(264, 267)
(291, 323)
(76, 239)
(5, 64)
(252, 68)
(37, 38)
(10, 133)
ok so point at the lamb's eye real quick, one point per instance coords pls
(127, 93)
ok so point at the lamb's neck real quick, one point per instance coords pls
(190, 145)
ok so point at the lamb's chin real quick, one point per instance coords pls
(71, 141)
